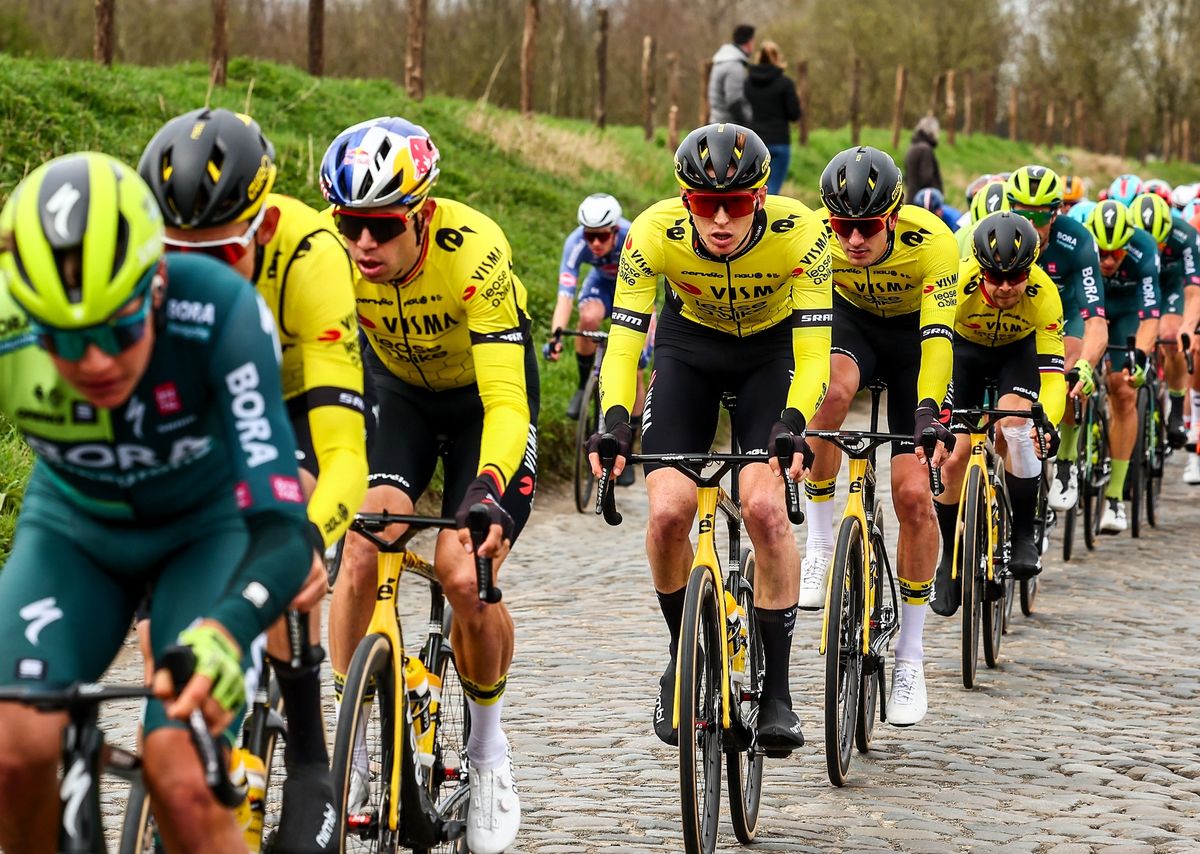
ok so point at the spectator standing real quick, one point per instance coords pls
(773, 105)
(726, 84)
(920, 162)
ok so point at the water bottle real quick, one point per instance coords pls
(417, 683)
(737, 631)
(245, 767)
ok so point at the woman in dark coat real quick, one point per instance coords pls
(774, 106)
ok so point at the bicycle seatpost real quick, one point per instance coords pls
(783, 452)
(479, 521)
(929, 443)
(606, 499)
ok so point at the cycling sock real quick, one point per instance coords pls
(1176, 395)
(818, 503)
(775, 626)
(947, 517)
(671, 605)
(912, 628)
(300, 689)
(1068, 450)
(1116, 483)
(585, 367)
(1023, 493)
(487, 744)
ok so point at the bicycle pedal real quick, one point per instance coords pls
(452, 830)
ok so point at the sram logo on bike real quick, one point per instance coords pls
(248, 407)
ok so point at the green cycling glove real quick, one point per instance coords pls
(1086, 376)
(217, 657)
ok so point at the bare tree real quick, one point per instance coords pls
(316, 37)
(528, 42)
(102, 48)
(414, 51)
(219, 55)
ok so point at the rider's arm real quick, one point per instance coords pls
(1051, 355)
(244, 374)
(568, 278)
(320, 312)
(812, 319)
(939, 299)
(633, 305)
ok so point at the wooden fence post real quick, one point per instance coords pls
(1185, 140)
(1049, 131)
(556, 69)
(316, 37)
(855, 84)
(673, 127)
(1012, 113)
(705, 73)
(648, 99)
(672, 100)
(935, 93)
(802, 92)
(968, 100)
(414, 50)
(528, 42)
(219, 55)
(898, 105)
(951, 107)
(600, 111)
(102, 37)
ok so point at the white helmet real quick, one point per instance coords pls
(599, 210)
(1183, 195)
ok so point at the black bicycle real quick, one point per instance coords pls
(589, 416)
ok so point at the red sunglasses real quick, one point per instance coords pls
(867, 226)
(383, 226)
(1117, 255)
(706, 205)
(597, 236)
(1013, 280)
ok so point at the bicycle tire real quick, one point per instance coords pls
(261, 737)
(974, 551)
(873, 675)
(1089, 446)
(843, 649)
(372, 661)
(1135, 477)
(994, 594)
(448, 784)
(589, 421)
(1153, 461)
(744, 768)
(1068, 544)
(700, 678)
(137, 826)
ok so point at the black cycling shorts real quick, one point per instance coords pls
(694, 366)
(423, 426)
(886, 349)
(1011, 368)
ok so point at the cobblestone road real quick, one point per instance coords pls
(1087, 736)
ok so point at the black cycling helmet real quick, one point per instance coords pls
(1005, 244)
(736, 157)
(861, 182)
(209, 167)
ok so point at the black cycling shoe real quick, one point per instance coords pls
(778, 728)
(308, 820)
(664, 707)
(576, 404)
(1026, 560)
(627, 476)
(947, 592)
(1176, 432)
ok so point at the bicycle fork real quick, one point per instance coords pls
(856, 508)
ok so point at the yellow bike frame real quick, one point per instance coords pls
(855, 509)
(981, 448)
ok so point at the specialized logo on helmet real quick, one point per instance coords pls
(60, 205)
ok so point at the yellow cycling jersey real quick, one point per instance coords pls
(1039, 312)
(781, 276)
(306, 278)
(459, 318)
(917, 273)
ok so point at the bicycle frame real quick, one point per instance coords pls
(982, 450)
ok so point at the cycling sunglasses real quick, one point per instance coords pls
(1013, 280)
(113, 337)
(867, 226)
(597, 236)
(383, 226)
(1037, 216)
(706, 205)
(229, 250)
(1117, 255)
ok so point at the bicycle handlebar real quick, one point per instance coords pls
(606, 499)
(784, 451)
(929, 441)
(1076, 402)
(479, 521)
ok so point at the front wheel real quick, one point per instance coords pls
(843, 649)
(1135, 479)
(589, 422)
(995, 592)
(744, 768)
(974, 549)
(139, 834)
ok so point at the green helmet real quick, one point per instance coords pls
(1150, 212)
(84, 233)
(1109, 224)
(1035, 187)
(989, 199)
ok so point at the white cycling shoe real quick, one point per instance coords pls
(494, 814)
(1113, 521)
(908, 701)
(814, 574)
(1191, 470)
(1064, 488)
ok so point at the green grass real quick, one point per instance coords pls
(15, 462)
(527, 174)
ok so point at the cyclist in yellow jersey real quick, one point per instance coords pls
(895, 268)
(212, 172)
(1008, 331)
(747, 304)
(456, 377)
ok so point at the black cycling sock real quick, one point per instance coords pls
(1176, 410)
(671, 605)
(947, 517)
(775, 627)
(301, 692)
(1022, 491)
(585, 367)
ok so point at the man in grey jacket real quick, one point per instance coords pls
(727, 82)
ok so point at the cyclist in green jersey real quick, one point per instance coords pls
(165, 459)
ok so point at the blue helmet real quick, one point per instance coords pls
(930, 198)
(1080, 210)
(1125, 188)
(1190, 211)
(384, 161)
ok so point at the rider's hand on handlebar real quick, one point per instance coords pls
(791, 424)
(552, 350)
(1087, 379)
(1048, 447)
(1137, 375)
(217, 685)
(928, 415)
(622, 431)
(483, 490)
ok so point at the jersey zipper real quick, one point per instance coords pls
(416, 363)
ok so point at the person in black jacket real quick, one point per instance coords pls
(773, 104)
(920, 162)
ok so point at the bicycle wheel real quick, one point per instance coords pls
(448, 781)
(1135, 480)
(974, 570)
(994, 594)
(843, 649)
(260, 735)
(744, 768)
(138, 832)
(368, 724)
(589, 420)
(1068, 544)
(699, 689)
(1153, 462)
(873, 675)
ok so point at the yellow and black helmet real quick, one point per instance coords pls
(85, 236)
(1005, 244)
(1035, 186)
(861, 182)
(209, 167)
(721, 157)
(1150, 212)
(1109, 224)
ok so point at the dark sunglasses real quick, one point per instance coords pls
(1014, 279)
(597, 236)
(707, 204)
(1037, 216)
(867, 226)
(113, 337)
(383, 226)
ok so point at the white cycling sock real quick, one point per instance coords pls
(912, 627)
(820, 526)
(1022, 456)
(487, 744)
